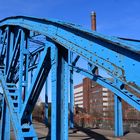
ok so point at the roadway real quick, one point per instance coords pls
(84, 134)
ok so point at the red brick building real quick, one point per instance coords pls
(97, 99)
(99, 102)
(94, 98)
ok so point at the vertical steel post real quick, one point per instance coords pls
(0, 36)
(46, 102)
(64, 93)
(71, 92)
(118, 116)
(2, 99)
(11, 43)
(5, 114)
(31, 82)
(22, 47)
(1, 117)
(54, 61)
(59, 116)
(31, 76)
(5, 123)
(25, 54)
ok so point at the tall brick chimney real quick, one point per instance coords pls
(93, 21)
(93, 27)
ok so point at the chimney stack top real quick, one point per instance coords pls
(93, 13)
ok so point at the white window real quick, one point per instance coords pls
(105, 104)
(78, 102)
(78, 94)
(105, 89)
(105, 109)
(104, 114)
(79, 89)
(105, 99)
(80, 106)
(78, 98)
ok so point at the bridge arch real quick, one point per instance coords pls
(38, 46)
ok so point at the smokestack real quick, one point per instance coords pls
(93, 21)
(93, 27)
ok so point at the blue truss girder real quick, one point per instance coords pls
(72, 89)
(118, 116)
(3, 51)
(14, 56)
(55, 40)
(14, 116)
(37, 83)
(122, 93)
(59, 119)
(6, 117)
(3, 47)
(89, 45)
(46, 103)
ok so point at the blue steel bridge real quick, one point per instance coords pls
(31, 48)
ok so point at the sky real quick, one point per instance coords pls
(114, 17)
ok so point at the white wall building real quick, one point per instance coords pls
(78, 95)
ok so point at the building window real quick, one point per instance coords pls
(105, 89)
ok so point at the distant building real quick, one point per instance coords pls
(78, 95)
(93, 98)
(97, 99)
(99, 102)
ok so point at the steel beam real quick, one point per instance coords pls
(119, 57)
(37, 83)
(71, 91)
(118, 116)
(14, 116)
(20, 88)
(15, 51)
(59, 116)
(1, 114)
(46, 103)
(75, 38)
(115, 88)
(5, 115)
